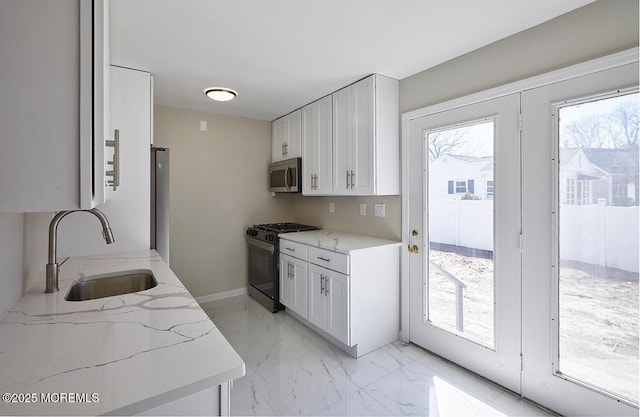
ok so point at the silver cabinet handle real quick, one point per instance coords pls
(289, 267)
(322, 278)
(323, 259)
(290, 249)
(348, 185)
(282, 150)
(352, 181)
(114, 172)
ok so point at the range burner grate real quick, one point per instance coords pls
(285, 227)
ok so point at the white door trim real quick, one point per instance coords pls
(588, 67)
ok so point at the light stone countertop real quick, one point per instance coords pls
(135, 351)
(337, 241)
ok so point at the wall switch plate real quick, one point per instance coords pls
(363, 209)
(332, 207)
(203, 125)
(379, 210)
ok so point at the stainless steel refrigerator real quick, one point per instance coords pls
(160, 201)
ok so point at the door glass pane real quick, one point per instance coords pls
(460, 224)
(598, 244)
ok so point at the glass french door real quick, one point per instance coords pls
(580, 233)
(464, 213)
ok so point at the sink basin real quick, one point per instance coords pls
(108, 285)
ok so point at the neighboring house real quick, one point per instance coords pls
(587, 176)
(458, 177)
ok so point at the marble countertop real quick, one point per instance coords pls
(337, 241)
(131, 352)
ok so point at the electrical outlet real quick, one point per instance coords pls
(379, 210)
(332, 207)
(363, 209)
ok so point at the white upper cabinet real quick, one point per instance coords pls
(128, 208)
(366, 147)
(54, 107)
(317, 147)
(286, 137)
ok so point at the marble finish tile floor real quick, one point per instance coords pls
(290, 370)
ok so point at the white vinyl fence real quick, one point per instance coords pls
(594, 234)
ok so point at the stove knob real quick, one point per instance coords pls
(252, 232)
(269, 238)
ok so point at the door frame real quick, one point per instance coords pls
(409, 124)
(589, 67)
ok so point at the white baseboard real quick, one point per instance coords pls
(221, 295)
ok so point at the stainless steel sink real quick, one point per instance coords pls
(108, 285)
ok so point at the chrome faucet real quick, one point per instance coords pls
(52, 265)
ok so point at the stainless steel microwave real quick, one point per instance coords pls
(286, 176)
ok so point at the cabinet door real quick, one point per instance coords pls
(286, 281)
(128, 208)
(342, 134)
(363, 140)
(293, 147)
(317, 300)
(299, 293)
(337, 305)
(310, 148)
(317, 147)
(278, 138)
(52, 142)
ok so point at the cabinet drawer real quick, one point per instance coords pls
(293, 249)
(332, 260)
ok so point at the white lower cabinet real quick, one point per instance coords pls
(329, 302)
(352, 295)
(293, 284)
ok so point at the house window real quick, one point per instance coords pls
(571, 191)
(584, 192)
(460, 186)
(489, 189)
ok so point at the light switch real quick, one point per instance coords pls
(379, 210)
(332, 207)
(203, 125)
(363, 209)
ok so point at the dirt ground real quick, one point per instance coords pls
(598, 317)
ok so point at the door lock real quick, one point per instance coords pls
(413, 249)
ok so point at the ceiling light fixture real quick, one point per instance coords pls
(220, 93)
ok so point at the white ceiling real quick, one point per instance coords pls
(282, 54)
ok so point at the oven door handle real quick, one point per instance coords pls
(262, 245)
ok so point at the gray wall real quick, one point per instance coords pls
(218, 188)
(598, 29)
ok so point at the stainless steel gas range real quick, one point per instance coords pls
(263, 253)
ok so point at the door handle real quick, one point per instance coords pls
(413, 248)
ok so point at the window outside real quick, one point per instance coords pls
(598, 244)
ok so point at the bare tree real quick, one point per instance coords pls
(452, 142)
(623, 126)
(588, 132)
(618, 129)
